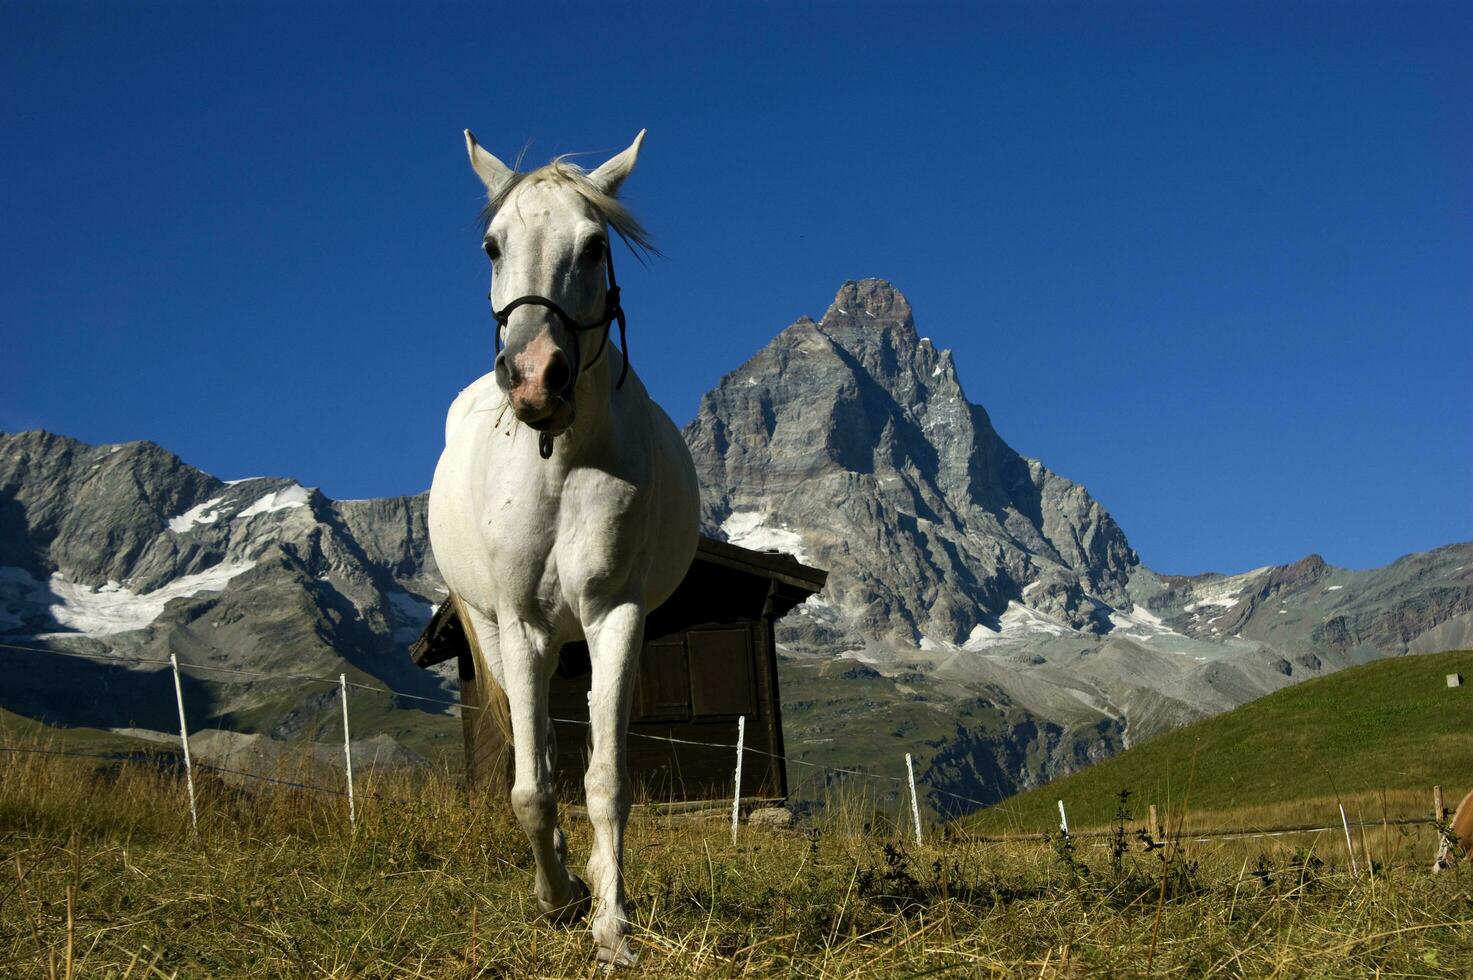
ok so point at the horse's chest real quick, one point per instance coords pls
(537, 545)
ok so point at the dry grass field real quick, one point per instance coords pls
(100, 876)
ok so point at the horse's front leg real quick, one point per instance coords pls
(614, 645)
(527, 663)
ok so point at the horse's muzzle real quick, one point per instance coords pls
(537, 379)
(555, 422)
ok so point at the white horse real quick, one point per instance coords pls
(564, 506)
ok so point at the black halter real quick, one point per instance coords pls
(612, 311)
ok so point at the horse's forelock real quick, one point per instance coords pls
(609, 208)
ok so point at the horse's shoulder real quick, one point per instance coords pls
(473, 396)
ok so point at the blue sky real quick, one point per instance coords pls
(1212, 261)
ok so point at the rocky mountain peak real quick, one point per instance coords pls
(1310, 566)
(871, 322)
(874, 300)
(89, 511)
(850, 441)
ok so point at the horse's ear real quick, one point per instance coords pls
(608, 177)
(493, 173)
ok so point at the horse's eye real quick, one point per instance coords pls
(594, 250)
(492, 252)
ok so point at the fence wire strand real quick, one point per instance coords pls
(1196, 837)
(306, 679)
(313, 679)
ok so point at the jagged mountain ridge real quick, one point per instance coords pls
(126, 552)
(856, 430)
(850, 440)
(1008, 632)
(970, 575)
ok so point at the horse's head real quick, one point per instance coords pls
(547, 235)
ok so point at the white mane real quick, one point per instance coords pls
(561, 171)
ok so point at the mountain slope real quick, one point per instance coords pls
(1389, 725)
(125, 552)
(856, 431)
(962, 568)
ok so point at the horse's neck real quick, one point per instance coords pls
(595, 428)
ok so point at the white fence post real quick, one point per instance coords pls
(1063, 819)
(1354, 871)
(184, 740)
(347, 750)
(915, 807)
(736, 799)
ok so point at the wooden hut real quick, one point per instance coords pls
(708, 659)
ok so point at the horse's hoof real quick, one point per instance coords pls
(620, 955)
(571, 911)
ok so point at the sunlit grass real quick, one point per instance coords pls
(1378, 736)
(102, 877)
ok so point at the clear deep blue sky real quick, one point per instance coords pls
(1213, 261)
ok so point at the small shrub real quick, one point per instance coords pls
(1119, 841)
(1062, 845)
(892, 886)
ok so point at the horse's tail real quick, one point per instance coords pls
(486, 716)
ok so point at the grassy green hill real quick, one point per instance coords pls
(20, 731)
(1379, 735)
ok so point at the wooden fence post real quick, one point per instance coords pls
(1354, 871)
(348, 751)
(1153, 825)
(736, 799)
(915, 808)
(1444, 842)
(184, 740)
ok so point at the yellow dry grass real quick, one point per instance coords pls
(100, 876)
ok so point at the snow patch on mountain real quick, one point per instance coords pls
(1017, 622)
(200, 514)
(107, 609)
(1226, 602)
(1139, 622)
(1224, 592)
(411, 613)
(749, 529)
(295, 495)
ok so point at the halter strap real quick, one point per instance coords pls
(613, 310)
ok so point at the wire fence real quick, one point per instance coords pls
(344, 684)
(315, 679)
(207, 767)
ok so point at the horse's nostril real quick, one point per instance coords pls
(506, 373)
(558, 373)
